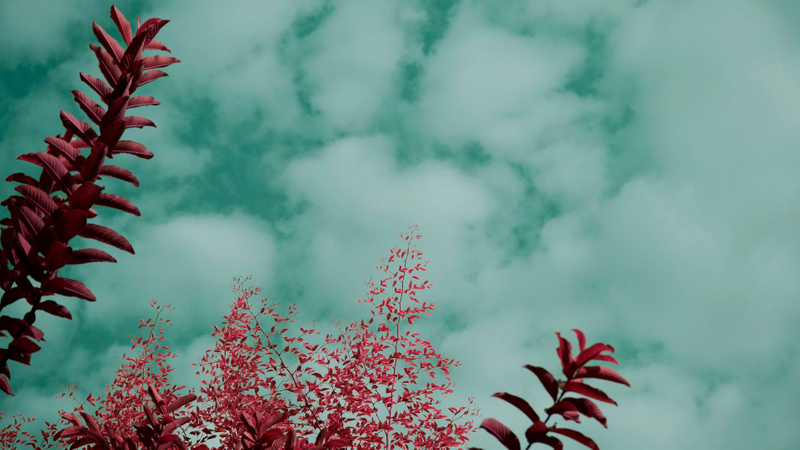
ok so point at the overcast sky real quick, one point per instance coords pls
(629, 168)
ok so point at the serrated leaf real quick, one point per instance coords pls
(107, 236)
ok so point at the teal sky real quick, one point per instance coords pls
(625, 167)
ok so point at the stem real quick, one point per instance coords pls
(397, 340)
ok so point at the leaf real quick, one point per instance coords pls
(133, 148)
(546, 378)
(520, 403)
(119, 173)
(89, 255)
(572, 434)
(98, 86)
(564, 351)
(155, 45)
(51, 307)
(123, 25)
(20, 177)
(583, 405)
(158, 61)
(85, 196)
(24, 345)
(67, 288)
(589, 391)
(143, 37)
(5, 386)
(502, 433)
(53, 166)
(581, 339)
(142, 100)
(81, 129)
(66, 150)
(591, 352)
(603, 373)
(107, 236)
(71, 223)
(110, 44)
(93, 111)
(116, 110)
(117, 202)
(179, 403)
(151, 75)
(138, 122)
(38, 198)
(31, 220)
(111, 72)
(58, 256)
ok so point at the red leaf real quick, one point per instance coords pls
(151, 75)
(39, 198)
(138, 122)
(155, 45)
(24, 345)
(67, 288)
(117, 202)
(58, 255)
(576, 436)
(53, 167)
(157, 61)
(546, 378)
(502, 433)
(98, 86)
(66, 149)
(142, 100)
(143, 37)
(107, 236)
(51, 307)
(111, 72)
(5, 386)
(134, 148)
(591, 352)
(564, 351)
(88, 255)
(581, 339)
(81, 129)
(110, 44)
(93, 111)
(583, 405)
(601, 372)
(123, 25)
(119, 173)
(520, 403)
(71, 223)
(20, 177)
(589, 391)
(85, 196)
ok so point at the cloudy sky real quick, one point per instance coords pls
(629, 168)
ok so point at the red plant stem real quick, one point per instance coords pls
(396, 341)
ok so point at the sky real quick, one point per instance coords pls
(628, 168)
